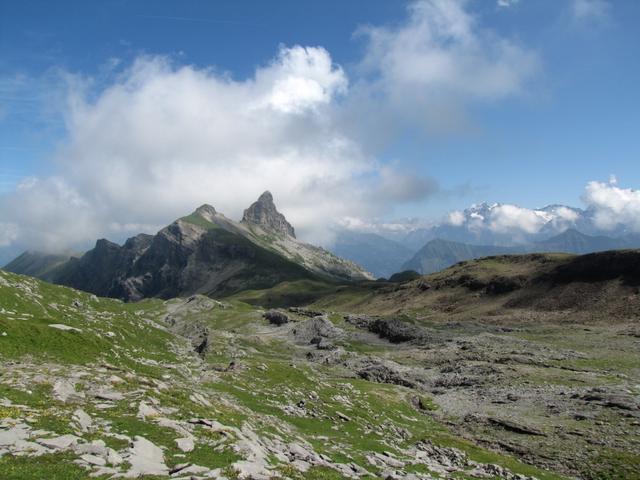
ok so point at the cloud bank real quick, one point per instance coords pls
(429, 68)
(613, 206)
(162, 138)
(608, 208)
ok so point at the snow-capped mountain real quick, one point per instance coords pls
(609, 221)
(504, 224)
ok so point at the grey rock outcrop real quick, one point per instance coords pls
(315, 331)
(263, 212)
(276, 318)
(394, 330)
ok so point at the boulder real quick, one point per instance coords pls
(65, 391)
(312, 331)
(146, 459)
(276, 318)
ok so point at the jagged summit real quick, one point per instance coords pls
(263, 213)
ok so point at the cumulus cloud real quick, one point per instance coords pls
(164, 139)
(303, 78)
(613, 206)
(510, 218)
(160, 138)
(609, 208)
(441, 58)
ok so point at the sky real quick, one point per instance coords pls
(117, 117)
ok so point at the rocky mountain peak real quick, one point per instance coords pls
(206, 211)
(263, 212)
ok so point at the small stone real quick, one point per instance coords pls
(96, 447)
(343, 417)
(82, 419)
(145, 410)
(59, 443)
(109, 395)
(94, 460)
(185, 444)
(114, 458)
(67, 328)
(65, 391)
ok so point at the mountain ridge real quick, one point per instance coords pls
(204, 252)
(438, 254)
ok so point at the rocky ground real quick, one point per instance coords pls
(197, 388)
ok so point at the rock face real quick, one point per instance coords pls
(204, 253)
(264, 213)
(315, 330)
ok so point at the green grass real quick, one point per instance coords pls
(612, 465)
(247, 394)
(107, 326)
(50, 467)
(286, 294)
(198, 220)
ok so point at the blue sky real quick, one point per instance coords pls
(566, 115)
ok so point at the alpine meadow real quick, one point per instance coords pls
(320, 240)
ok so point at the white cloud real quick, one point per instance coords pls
(591, 10)
(162, 138)
(8, 233)
(303, 78)
(381, 226)
(507, 3)
(394, 186)
(510, 218)
(456, 218)
(613, 206)
(49, 213)
(565, 214)
(442, 51)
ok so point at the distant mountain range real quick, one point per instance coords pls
(204, 252)
(505, 224)
(439, 254)
(382, 256)
(480, 230)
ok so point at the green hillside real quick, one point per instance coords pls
(94, 387)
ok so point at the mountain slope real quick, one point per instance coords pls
(380, 256)
(195, 388)
(204, 252)
(573, 241)
(598, 287)
(36, 264)
(439, 254)
(200, 253)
